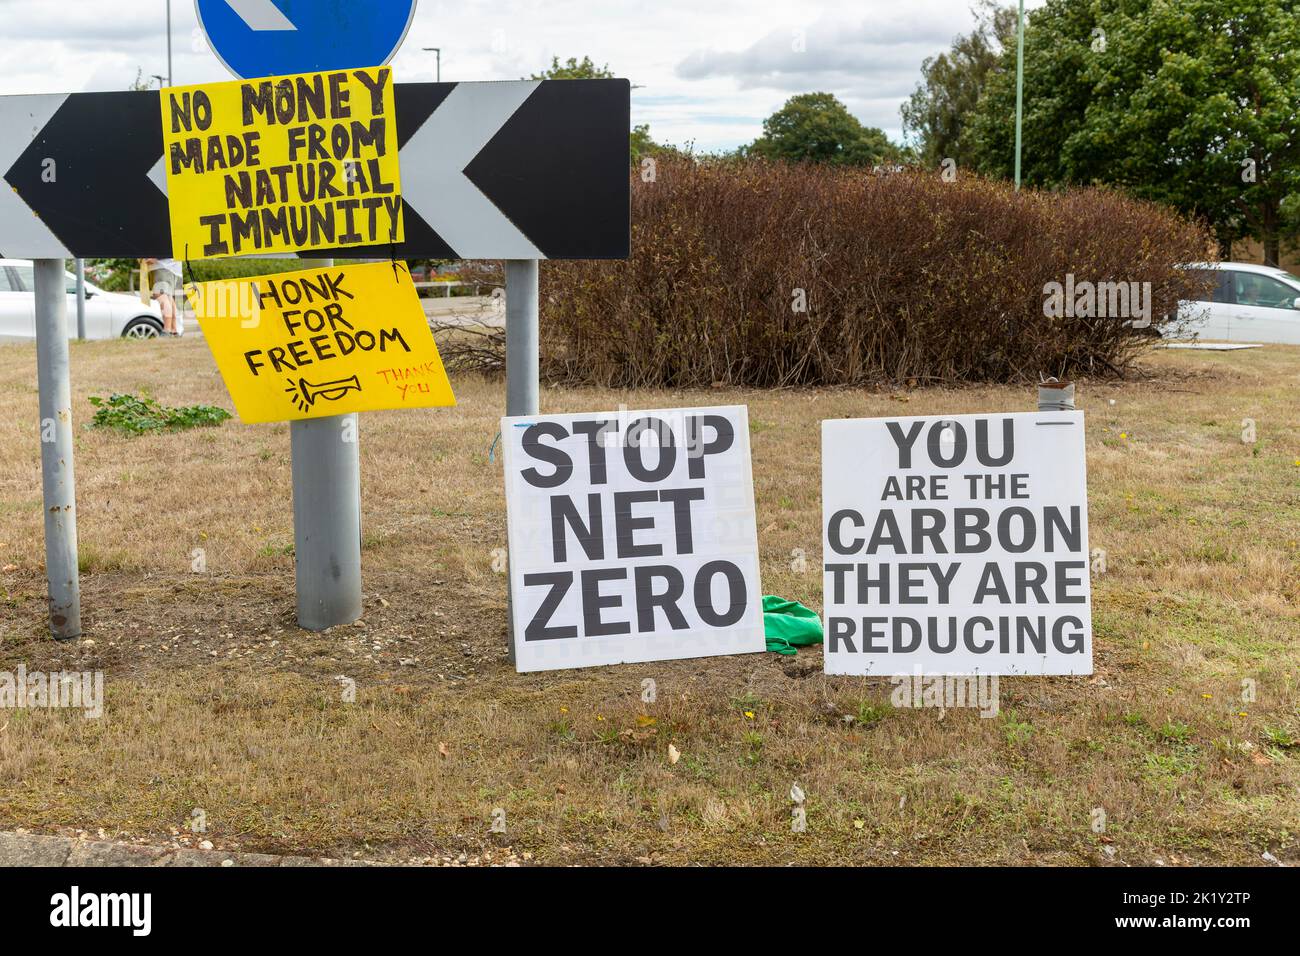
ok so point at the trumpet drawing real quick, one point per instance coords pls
(305, 394)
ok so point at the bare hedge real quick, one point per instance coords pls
(904, 277)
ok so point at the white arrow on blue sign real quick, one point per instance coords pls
(277, 37)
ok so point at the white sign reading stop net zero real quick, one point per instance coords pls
(632, 537)
(956, 545)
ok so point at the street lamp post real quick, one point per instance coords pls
(437, 50)
(1020, 81)
(169, 42)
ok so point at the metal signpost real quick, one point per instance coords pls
(325, 460)
(521, 337)
(520, 171)
(327, 517)
(81, 299)
(522, 361)
(28, 237)
(57, 484)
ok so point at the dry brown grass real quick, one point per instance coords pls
(216, 700)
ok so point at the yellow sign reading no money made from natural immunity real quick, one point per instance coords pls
(322, 342)
(282, 164)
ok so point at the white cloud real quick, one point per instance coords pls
(868, 50)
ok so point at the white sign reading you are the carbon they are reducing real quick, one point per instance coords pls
(956, 545)
(632, 537)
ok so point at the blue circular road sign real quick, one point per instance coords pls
(276, 37)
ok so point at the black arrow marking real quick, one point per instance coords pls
(101, 201)
(572, 136)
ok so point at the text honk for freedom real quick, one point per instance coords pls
(322, 342)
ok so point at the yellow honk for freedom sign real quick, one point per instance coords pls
(282, 164)
(322, 342)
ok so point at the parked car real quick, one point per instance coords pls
(1249, 303)
(108, 314)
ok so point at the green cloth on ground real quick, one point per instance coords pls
(789, 625)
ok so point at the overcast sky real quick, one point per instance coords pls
(710, 70)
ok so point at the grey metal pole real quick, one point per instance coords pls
(169, 43)
(57, 481)
(326, 468)
(81, 299)
(521, 337)
(1020, 81)
(437, 51)
(522, 362)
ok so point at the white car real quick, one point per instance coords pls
(108, 314)
(1249, 303)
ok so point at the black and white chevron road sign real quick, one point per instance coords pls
(507, 170)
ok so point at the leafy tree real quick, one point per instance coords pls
(816, 127)
(1194, 103)
(571, 69)
(936, 114)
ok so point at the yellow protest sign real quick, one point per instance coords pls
(282, 164)
(321, 342)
